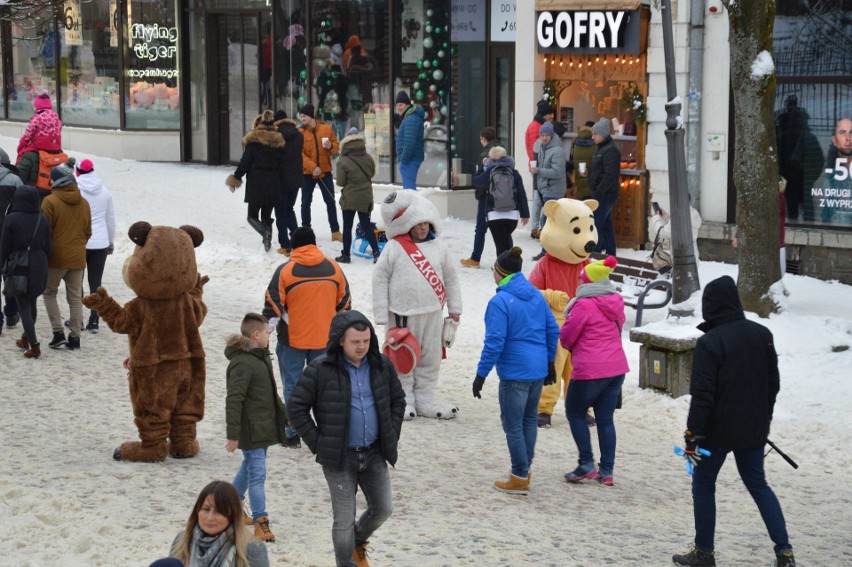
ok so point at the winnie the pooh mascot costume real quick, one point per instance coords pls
(166, 368)
(569, 237)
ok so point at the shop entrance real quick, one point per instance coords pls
(238, 79)
(501, 79)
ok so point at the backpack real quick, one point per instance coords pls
(501, 189)
(661, 258)
(46, 162)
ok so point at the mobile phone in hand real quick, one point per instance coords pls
(656, 207)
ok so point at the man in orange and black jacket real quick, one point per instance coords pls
(319, 147)
(303, 297)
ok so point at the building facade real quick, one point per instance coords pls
(181, 80)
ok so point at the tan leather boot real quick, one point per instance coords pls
(34, 352)
(359, 556)
(515, 485)
(262, 531)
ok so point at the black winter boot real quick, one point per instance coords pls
(696, 557)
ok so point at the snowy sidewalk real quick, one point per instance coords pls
(68, 503)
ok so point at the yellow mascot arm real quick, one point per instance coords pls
(557, 300)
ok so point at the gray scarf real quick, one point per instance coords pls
(212, 551)
(595, 289)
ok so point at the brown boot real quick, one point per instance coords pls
(247, 521)
(262, 531)
(337, 236)
(469, 263)
(535, 233)
(515, 485)
(22, 342)
(34, 352)
(359, 556)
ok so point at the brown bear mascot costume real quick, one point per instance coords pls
(166, 365)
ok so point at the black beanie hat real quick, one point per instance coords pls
(303, 236)
(509, 262)
(402, 98)
(307, 110)
(544, 108)
(280, 115)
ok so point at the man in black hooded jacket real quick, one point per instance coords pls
(358, 405)
(734, 385)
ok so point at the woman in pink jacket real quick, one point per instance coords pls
(592, 333)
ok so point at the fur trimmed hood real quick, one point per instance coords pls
(286, 121)
(237, 341)
(264, 135)
(403, 209)
(353, 142)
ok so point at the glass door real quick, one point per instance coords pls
(237, 86)
(501, 93)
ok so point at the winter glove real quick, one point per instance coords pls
(110, 248)
(551, 374)
(692, 453)
(478, 382)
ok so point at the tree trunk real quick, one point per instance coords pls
(755, 156)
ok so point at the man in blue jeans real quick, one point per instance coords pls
(357, 403)
(409, 139)
(734, 385)
(303, 296)
(524, 357)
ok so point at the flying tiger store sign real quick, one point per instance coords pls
(597, 32)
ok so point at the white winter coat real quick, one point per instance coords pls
(103, 213)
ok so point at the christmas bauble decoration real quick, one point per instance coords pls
(428, 43)
(437, 74)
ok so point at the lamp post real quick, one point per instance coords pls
(684, 271)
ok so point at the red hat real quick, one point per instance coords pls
(402, 348)
(86, 166)
(42, 101)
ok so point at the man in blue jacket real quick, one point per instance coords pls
(409, 139)
(515, 344)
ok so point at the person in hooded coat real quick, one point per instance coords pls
(25, 227)
(291, 180)
(9, 182)
(502, 223)
(355, 171)
(263, 154)
(592, 333)
(102, 242)
(409, 139)
(348, 408)
(734, 384)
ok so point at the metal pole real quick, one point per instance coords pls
(684, 271)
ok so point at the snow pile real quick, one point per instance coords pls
(762, 66)
(68, 503)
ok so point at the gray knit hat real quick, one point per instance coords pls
(63, 174)
(601, 127)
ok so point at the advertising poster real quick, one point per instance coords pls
(412, 30)
(72, 24)
(468, 21)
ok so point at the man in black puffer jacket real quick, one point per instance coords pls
(604, 173)
(358, 404)
(734, 385)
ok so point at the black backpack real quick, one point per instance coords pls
(501, 189)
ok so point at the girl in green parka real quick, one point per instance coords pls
(254, 413)
(355, 171)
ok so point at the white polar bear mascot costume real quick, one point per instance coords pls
(407, 293)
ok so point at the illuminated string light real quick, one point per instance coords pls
(571, 61)
(561, 61)
(545, 59)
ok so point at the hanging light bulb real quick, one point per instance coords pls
(552, 59)
(544, 60)
(561, 61)
(605, 59)
(616, 58)
(571, 61)
(597, 59)
(631, 60)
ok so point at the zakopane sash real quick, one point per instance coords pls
(423, 266)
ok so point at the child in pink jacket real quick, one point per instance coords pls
(592, 333)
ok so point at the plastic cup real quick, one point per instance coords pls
(533, 163)
(582, 168)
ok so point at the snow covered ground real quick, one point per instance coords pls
(66, 502)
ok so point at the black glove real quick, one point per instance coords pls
(110, 249)
(478, 382)
(691, 447)
(551, 374)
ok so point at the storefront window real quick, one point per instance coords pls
(34, 60)
(89, 67)
(813, 102)
(422, 69)
(348, 63)
(290, 56)
(152, 98)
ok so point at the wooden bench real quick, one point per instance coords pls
(635, 279)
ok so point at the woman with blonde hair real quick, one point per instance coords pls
(215, 535)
